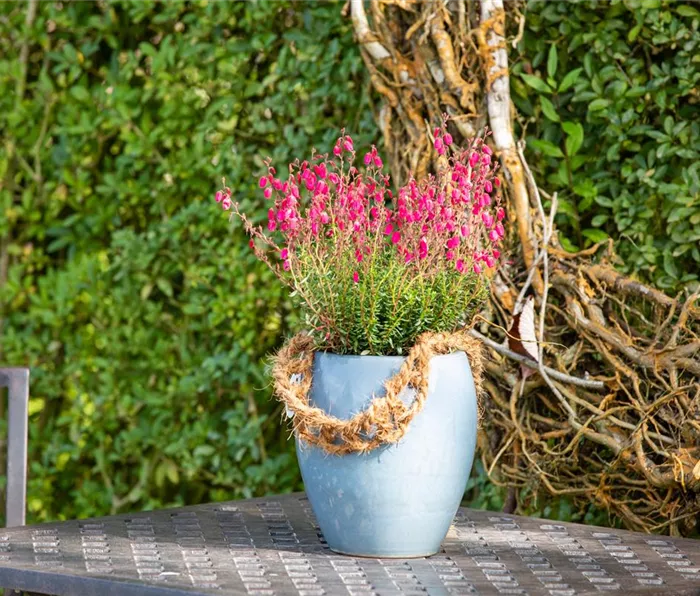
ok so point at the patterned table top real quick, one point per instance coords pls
(273, 546)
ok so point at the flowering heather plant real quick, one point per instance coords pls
(373, 269)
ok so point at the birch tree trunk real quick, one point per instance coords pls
(613, 417)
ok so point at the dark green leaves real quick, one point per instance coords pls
(536, 83)
(569, 80)
(610, 94)
(548, 109)
(546, 147)
(574, 137)
(552, 61)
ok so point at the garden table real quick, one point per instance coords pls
(273, 546)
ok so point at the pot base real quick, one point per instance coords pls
(378, 556)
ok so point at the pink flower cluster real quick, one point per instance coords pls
(328, 208)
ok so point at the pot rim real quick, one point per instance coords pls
(332, 355)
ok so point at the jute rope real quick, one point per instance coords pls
(386, 420)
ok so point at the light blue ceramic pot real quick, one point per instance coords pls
(398, 500)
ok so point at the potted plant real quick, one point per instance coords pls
(379, 388)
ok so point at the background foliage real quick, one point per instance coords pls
(608, 92)
(146, 321)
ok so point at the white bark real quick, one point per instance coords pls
(364, 34)
(498, 104)
(498, 97)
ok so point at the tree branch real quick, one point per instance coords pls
(364, 34)
(555, 374)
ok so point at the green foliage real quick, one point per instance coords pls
(609, 90)
(391, 304)
(145, 321)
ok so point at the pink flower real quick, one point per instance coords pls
(219, 196)
(251, 243)
(423, 248)
(486, 149)
(433, 225)
(497, 182)
(439, 146)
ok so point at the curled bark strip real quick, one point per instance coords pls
(445, 51)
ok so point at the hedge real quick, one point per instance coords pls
(144, 317)
(609, 97)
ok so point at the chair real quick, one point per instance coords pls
(17, 382)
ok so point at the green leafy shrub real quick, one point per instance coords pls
(610, 94)
(145, 327)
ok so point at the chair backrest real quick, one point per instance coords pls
(17, 382)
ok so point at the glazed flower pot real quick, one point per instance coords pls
(397, 500)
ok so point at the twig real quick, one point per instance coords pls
(555, 374)
(548, 226)
(521, 30)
